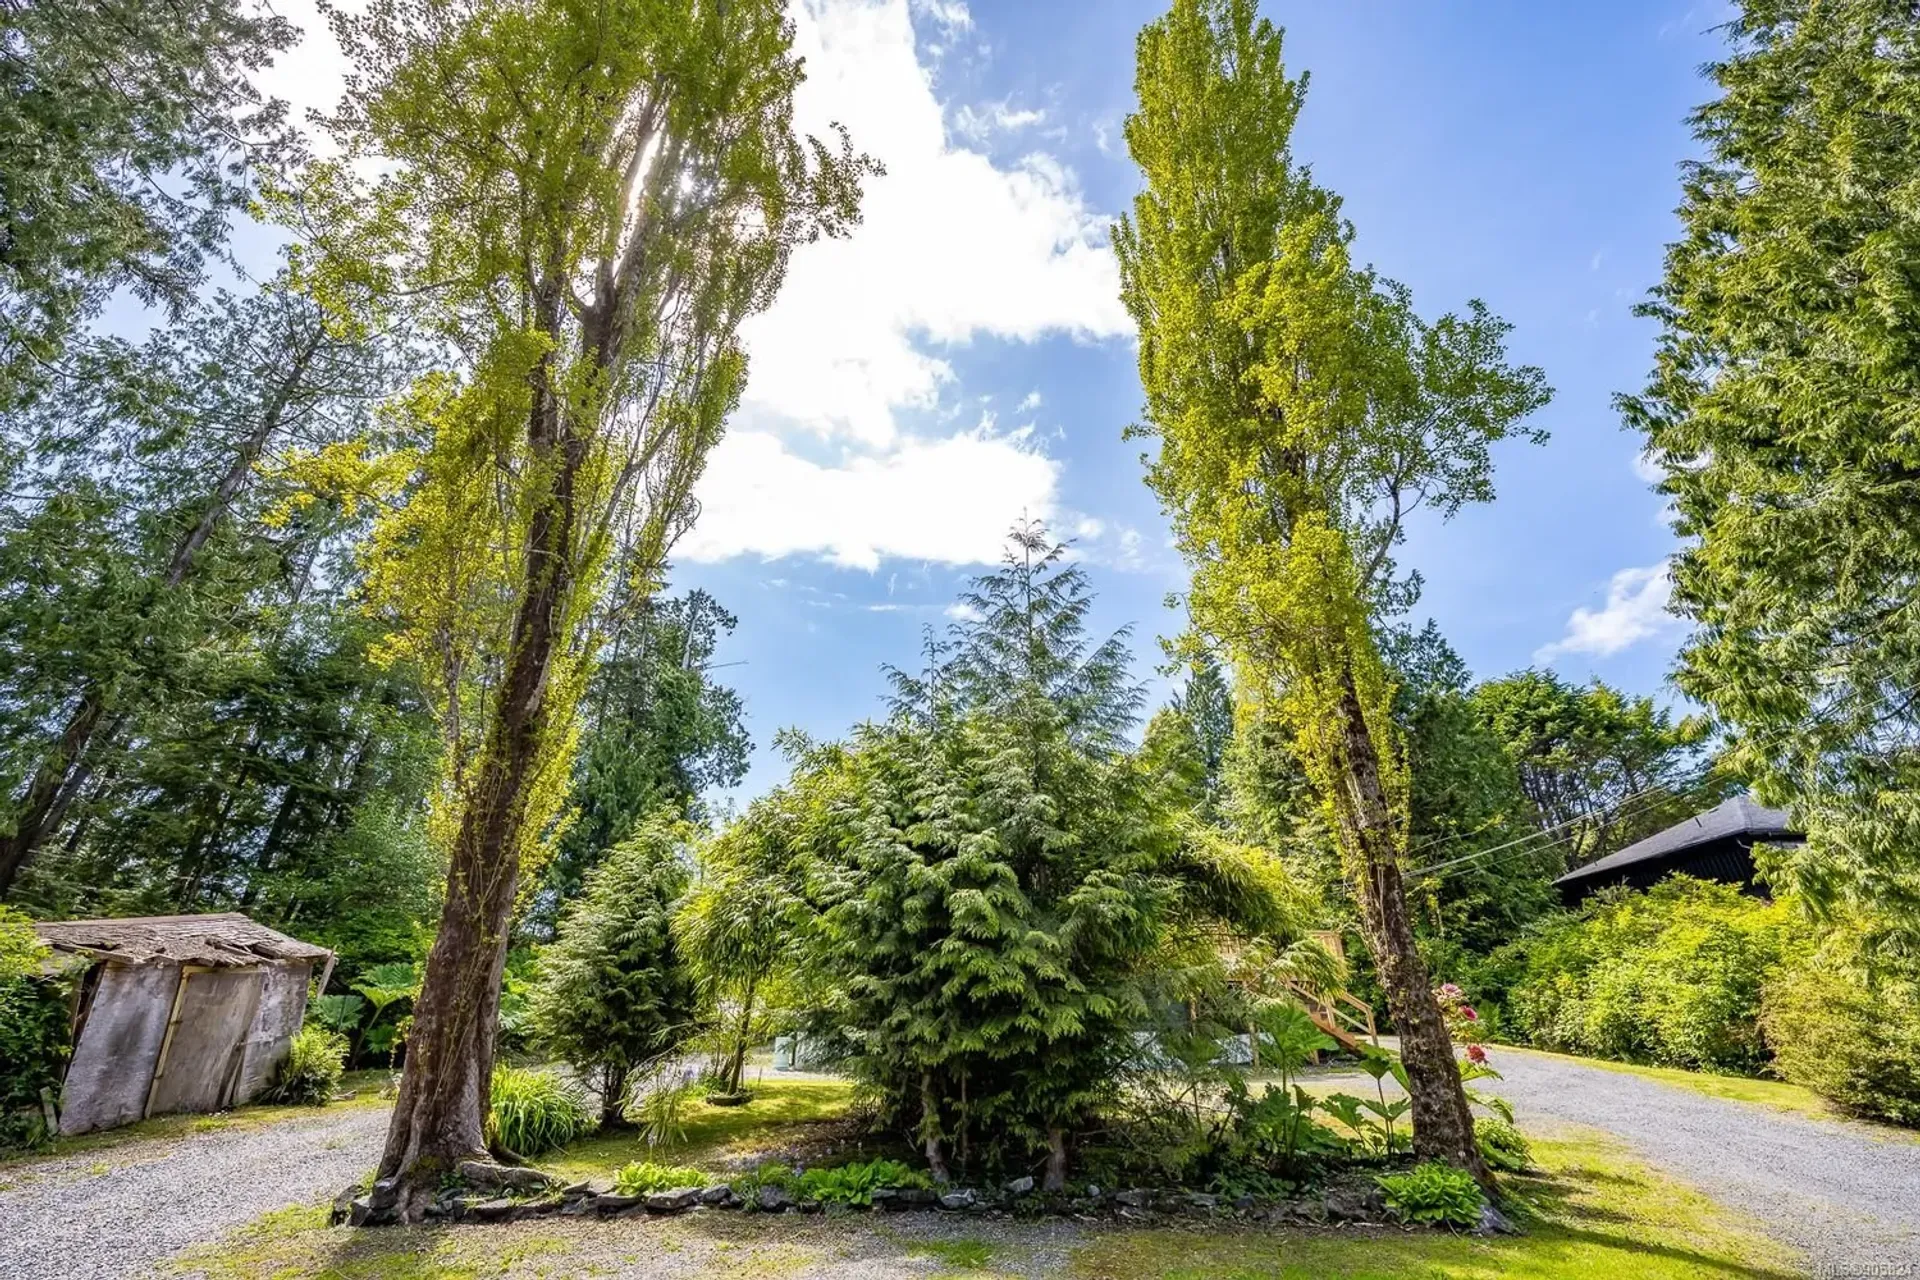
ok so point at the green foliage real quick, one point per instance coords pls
(1599, 767)
(532, 1112)
(770, 1174)
(662, 1113)
(993, 880)
(384, 987)
(191, 721)
(737, 929)
(643, 1177)
(614, 991)
(1433, 1194)
(1502, 1144)
(1780, 411)
(340, 1013)
(1302, 410)
(34, 1032)
(312, 1071)
(1846, 1024)
(129, 134)
(655, 732)
(854, 1184)
(1672, 976)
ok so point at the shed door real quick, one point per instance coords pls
(210, 1020)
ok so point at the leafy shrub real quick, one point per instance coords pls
(1848, 1033)
(1670, 975)
(662, 1113)
(534, 1111)
(337, 1012)
(641, 1177)
(1433, 1193)
(747, 1186)
(856, 1183)
(312, 1070)
(34, 1032)
(1502, 1145)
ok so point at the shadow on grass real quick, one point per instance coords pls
(784, 1115)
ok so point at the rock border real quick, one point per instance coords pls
(495, 1193)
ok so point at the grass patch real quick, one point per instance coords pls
(782, 1112)
(1592, 1211)
(962, 1255)
(297, 1242)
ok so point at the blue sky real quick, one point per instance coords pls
(1525, 154)
(963, 359)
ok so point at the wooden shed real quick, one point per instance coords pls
(178, 1013)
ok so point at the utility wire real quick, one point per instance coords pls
(1615, 810)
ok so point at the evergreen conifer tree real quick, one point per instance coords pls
(614, 990)
(1782, 409)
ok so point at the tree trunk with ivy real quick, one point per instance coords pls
(1442, 1120)
(584, 206)
(1303, 410)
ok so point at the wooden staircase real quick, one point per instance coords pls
(1341, 1015)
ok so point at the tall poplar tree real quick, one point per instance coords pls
(1784, 407)
(1303, 411)
(584, 200)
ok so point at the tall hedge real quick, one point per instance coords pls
(1671, 976)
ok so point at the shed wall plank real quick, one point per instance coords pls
(283, 1004)
(112, 1065)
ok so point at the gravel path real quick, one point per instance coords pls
(118, 1211)
(1847, 1194)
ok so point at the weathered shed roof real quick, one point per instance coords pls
(226, 940)
(1737, 819)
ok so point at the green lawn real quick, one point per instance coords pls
(1590, 1211)
(783, 1113)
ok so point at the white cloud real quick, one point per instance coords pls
(951, 247)
(834, 451)
(979, 124)
(960, 611)
(946, 500)
(1636, 610)
(1648, 468)
(951, 16)
(1030, 403)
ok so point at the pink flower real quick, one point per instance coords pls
(1466, 1011)
(1450, 991)
(1476, 1055)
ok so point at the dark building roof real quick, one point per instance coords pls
(1714, 845)
(228, 940)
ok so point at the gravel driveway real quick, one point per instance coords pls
(1846, 1194)
(119, 1211)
